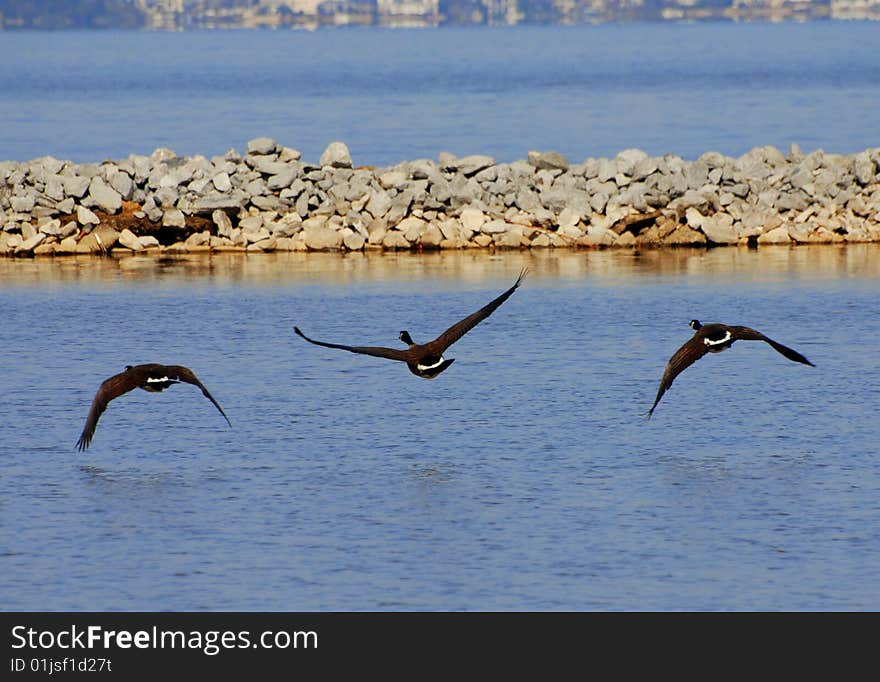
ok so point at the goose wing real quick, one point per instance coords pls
(376, 351)
(748, 334)
(683, 358)
(111, 388)
(186, 375)
(459, 329)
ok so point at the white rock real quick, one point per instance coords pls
(777, 235)
(173, 217)
(472, 219)
(84, 216)
(336, 155)
(222, 182)
(129, 240)
(719, 229)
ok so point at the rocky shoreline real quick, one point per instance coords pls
(269, 199)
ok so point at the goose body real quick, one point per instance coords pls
(152, 378)
(426, 360)
(714, 338)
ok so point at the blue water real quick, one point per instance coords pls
(394, 95)
(525, 477)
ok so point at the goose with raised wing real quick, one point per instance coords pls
(426, 360)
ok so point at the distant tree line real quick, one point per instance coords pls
(61, 14)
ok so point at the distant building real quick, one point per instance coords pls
(855, 9)
(408, 13)
(162, 15)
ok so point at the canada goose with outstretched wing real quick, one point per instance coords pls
(714, 338)
(152, 377)
(426, 359)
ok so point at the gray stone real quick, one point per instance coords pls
(286, 226)
(122, 183)
(685, 236)
(54, 187)
(75, 185)
(86, 217)
(104, 196)
(399, 207)
(289, 154)
(395, 240)
(472, 219)
(198, 239)
(796, 201)
(23, 203)
(627, 159)
(282, 179)
(268, 203)
(512, 238)
(597, 236)
(251, 223)
(50, 227)
(321, 238)
(644, 167)
(213, 201)
(719, 229)
(222, 182)
(354, 241)
(336, 155)
(255, 234)
(606, 170)
(268, 165)
(527, 200)
(130, 241)
(412, 228)
(30, 244)
(260, 145)
(548, 160)
(393, 179)
(777, 235)
(495, 227)
(198, 185)
(864, 168)
(162, 154)
(470, 165)
(222, 221)
(166, 196)
(173, 217)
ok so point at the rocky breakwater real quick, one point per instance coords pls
(269, 199)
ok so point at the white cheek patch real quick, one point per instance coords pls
(717, 342)
(151, 380)
(434, 366)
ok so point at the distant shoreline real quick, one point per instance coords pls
(317, 14)
(269, 199)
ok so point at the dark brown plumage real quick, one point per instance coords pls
(714, 338)
(152, 377)
(426, 359)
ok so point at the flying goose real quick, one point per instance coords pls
(714, 338)
(426, 359)
(152, 377)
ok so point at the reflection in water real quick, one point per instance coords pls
(766, 263)
(127, 481)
